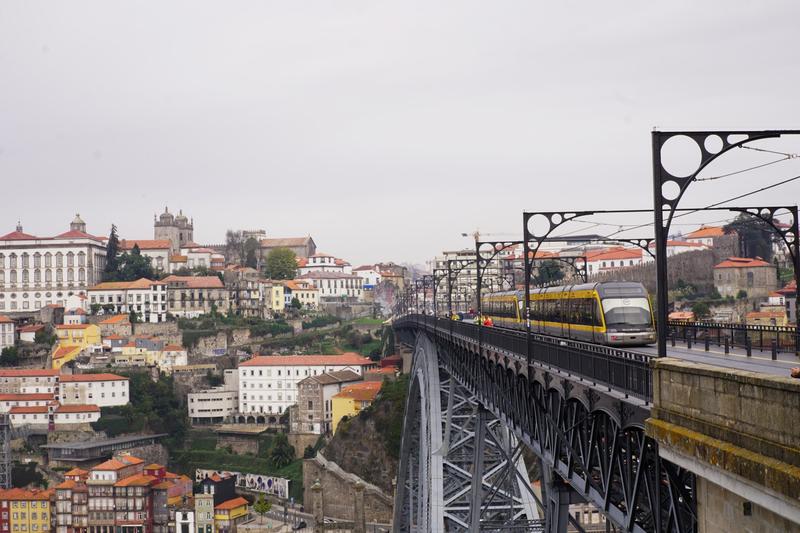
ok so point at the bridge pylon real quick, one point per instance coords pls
(461, 468)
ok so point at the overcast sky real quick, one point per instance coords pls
(384, 130)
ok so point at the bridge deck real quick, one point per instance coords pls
(760, 362)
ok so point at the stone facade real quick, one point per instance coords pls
(338, 492)
(178, 230)
(756, 277)
(734, 429)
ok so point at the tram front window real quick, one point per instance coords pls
(627, 312)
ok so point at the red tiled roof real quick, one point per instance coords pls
(64, 351)
(68, 484)
(28, 410)
(76, 311)
(144, 244)
(135, 481)
(116, 319)
(5, 320)
(153, 466)
(743, 262)
(33, 328)
(196, 282)
(231, 504)
(18, 236)
(79, 378)
(173, 348)
(77, 409)
(130, 459)
(366, 391)
(347, 359)
(28, 372)
(25, 397)
(75, 234)
(23, 494)
(141, 283)
(706, 231)
(614, 253)
(111, 464)
(76, 472)
(113, 337)
(73, 326)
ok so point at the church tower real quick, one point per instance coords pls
(77, 224)
(178, 230)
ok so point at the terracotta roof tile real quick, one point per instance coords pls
(28, 372)
(116, 319)
(144, 244)
(77, 378)
(77, 409)
(232, 504)
(196, 282)
(5, 320)
(29, 410)
(706, 231)
(743, 262)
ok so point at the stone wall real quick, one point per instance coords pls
(734, 428)
(696, 268)
(300, 441)
(240, 444)
(723, 510)
(338, 492)
(207, 345)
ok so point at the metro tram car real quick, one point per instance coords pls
(616, 313)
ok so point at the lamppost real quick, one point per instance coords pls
(669, 188)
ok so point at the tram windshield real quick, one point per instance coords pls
(627, 312)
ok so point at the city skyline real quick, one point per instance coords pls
(318, 119)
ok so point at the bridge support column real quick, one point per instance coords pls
(557, 497)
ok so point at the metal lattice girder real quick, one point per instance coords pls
(602, 454)
(457, 458)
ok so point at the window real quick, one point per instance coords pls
(48, 259)
(59, 260)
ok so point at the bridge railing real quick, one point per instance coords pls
(758, 337)
(625, 371)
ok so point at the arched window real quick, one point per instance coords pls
(25, 276)
(59, 276)
(82, 259)
(37, 276)
(2, 262)
(25, 258)
(13, 278)
(2, 277)
(70, 259)
(59, 260)
(81, 274)
(70, 275)
(12, 261)
(48, 276)
(48, 259)
(37, 260)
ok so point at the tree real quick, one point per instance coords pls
(741, 295)
(282, 453)
(95, 308)
(132, 266)
(9, 356)
(309, 452)
(297, 304)
(250, 246)
(133, 317)
(700, 309)
(112, 249)
(549, 272)
(234, 246)
(281, 263)
(755, 236)
(262, 507)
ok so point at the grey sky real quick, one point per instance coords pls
(384, 130)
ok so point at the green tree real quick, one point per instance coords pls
(755, 236)
(44, 337)
(309, 452)
(112, 249)
(281, 263)
(297, 304)
(133, 317)
(250, 247)
(95, 308)
(700, 309)
(282, 453)
(549, 272)
(741, 295)
(134, 265)
(262, 507)
(9, 356)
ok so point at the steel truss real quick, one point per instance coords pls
(461, 468)
(601, 453)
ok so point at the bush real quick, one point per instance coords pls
(741, 295)
(320, 321)
(309, 452)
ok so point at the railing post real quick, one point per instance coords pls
(748, 345)
(672, 338)
(727, 346)
(774, 350)
(689, 342)
(708, 343)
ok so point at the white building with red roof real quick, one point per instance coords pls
(146, 297)
(705, 235)
(268, 384)
(192, 296)
(36, 271)
(28, 380)
(104, 390)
